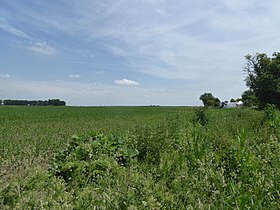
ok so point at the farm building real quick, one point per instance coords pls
(227, 104)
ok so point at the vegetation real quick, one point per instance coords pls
(200, 116)
(263, 78)
(139, 158)
(249, 99)
(50, 102)
(209, 100)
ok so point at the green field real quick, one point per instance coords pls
(139, 158)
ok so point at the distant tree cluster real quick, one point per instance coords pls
(50, 102)
(209, 100)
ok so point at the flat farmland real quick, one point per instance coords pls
(138, 158)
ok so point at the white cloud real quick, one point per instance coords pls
(74, 76)
(43, 48)
(126, 82)
(5, 76)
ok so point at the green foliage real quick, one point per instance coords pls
(200, 116)
(209, 100)
(264, 78)
(84, 159)
(34, 189)
(142, 158)
(249, 98)
(270, 119)
(269, 113)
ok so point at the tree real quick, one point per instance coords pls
(249, 98)
(263, 78)
(209, 100)
(232, 100)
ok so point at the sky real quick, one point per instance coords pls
(131, 52)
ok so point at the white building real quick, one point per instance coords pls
(227, 104)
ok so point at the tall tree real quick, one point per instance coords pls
(263, 78)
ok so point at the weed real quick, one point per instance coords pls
(201, 116)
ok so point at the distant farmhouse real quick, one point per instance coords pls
(226, 104)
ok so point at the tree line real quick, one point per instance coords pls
(49, 102)
(262, 79)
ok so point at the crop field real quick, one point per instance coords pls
(139, 158)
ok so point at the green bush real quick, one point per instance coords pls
(201, 116)
(269, 113)
(87, 158)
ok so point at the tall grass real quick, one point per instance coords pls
(138, 158)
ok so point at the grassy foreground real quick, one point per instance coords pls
(138, 158)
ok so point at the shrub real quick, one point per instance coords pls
(200, 116)
(86, 158)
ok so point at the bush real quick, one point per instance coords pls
(200, 116)
(86, 158)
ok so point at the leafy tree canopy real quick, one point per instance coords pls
(263, 78)
(249, 98)
(209, 100)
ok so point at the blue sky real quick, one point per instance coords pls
(131, 52)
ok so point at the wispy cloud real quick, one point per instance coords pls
(43, 48)
(75, 76)
(5, 76)
(13, 30)
(184, 38)
(126, 82)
